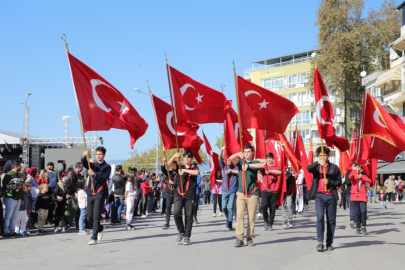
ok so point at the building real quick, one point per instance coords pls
(288, 76)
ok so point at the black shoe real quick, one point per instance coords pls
(40, 232)
(13, 235)
(352, 225)
(229, 226)
(239, 243)
(358, 231)
(270, 227)
(320, 248)
(165, 227)
(266, 226)
(186, 241)
(250, 242)
(285, 223)
(7, 235)
(330, 248)
(179, 239)
(364, 231)
(113, 224)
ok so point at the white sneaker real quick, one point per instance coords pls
(92, 242)
(83, 232)
(220, 214)
(143, 216)
(214, 215)
(259, 214)
(100, 234)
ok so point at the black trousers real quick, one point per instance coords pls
(144, 205)
(196, 203)
(180, 204)
(344, 201)
(94, 206)
(138, 200)
(168, 209)
(207, 197)
(217, 200)
(269, 200)
(360, 213)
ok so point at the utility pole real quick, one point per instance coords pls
(25, 140)
(66, 123)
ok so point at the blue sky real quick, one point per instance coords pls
(125, 41)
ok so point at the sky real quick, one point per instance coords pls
(125, 42)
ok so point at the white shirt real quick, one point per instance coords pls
(130, 189)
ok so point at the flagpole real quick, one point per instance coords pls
(174, 120)
(224, 152)
(363, 111)
(240, 124)
(63, 37)
(160, 135)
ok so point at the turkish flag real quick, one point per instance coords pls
(295, 163)
(195, 102)
(302, 157)
(311, 154)
(101, 105)
(263, 109)
(260, 145)
(325, 117)
(379, 124)
(280, 160)
(344, 162)
(353, 152)
(186, 133)
(213, 161)
(231, 135)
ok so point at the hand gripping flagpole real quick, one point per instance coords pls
(63, 37)
(175, 122)
(240, 128)
(160, 135)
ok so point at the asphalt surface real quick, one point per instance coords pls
(212, 245)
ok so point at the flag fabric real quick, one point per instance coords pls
(213, 161)
(186, 132)
(344, 162)
(101, 105)
(195, 102)
(231, 134)
(311, 153)
(280, 160)
(325, 116)
(353, 152)
(263, 109)
(295, 163)
(260, 147)
(302, 157)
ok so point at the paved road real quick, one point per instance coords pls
(150, 247)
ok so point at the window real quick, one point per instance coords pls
(300, 99)
(374, 91)
(274, 84)
(355, 114)
(302, 118)
(305, 136)
(298, 80)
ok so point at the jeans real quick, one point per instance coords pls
(325, 202)
(228, 199)
(400, 195)
(12, 209)
(81, 219)
(169, 203)
(360, 213)
(186, 227)
(383, 204)
(217, 199)
(351, 211)
(207, 197)
(94, 206)
(151, 201)
(269, 200)
(42, 217)
(287, 208)
(116, 209)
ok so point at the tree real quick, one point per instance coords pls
(220, 141)
(349, 44)
(147, 159)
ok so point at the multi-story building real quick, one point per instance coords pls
(288, 76)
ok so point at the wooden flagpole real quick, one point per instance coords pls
(174, 120)
(160, 135)
(63, 37)
(224, 152)
(240, 126)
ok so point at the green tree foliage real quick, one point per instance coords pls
(220, 141)
(349, 43)
(146, 159)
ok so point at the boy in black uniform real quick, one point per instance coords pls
(184, 195)
(324, 191)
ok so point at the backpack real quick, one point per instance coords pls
(401, 186)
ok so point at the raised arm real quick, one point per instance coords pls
(235, 157)
(171, 163)
(257, 165)
(220, 157)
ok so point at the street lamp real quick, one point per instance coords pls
(26, 131)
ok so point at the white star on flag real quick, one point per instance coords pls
(124, 107)
(263, 104)
(199, 98)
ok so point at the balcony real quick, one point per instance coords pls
(391, 89)
(247, 72)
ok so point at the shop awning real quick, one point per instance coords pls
(388, 168)
(393, 74)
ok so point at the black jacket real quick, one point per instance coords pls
(167, 189)
(332, 174)
(348, 183)
(290, 183)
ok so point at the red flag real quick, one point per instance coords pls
(353, 152)
(295, 163)
(263, 109)
(259, 145)
(311, 154)
(302, 157)
(213, 161)
(101, 105)
(186, 133)
(344, 162)
(195, 102)
(280, 160)
(231, 136)
(325, 117)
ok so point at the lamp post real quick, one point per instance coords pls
(26, 132)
